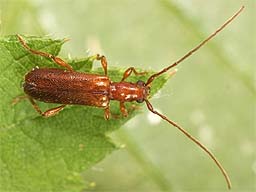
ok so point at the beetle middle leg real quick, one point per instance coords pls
(50, 112)
(18, 99)
(57, 60)
(129, 71)
(107, 113)
(123, 109)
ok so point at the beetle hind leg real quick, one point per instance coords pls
(57, 60)
(50, 112)
(53, 111)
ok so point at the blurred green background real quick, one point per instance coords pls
(212, 95)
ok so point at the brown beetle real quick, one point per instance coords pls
(52, 85)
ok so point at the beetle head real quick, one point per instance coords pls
(146, 91)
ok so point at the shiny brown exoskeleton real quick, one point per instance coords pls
(52, 85)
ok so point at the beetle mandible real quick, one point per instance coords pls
(52, 85)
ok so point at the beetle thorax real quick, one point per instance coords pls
(126, 91)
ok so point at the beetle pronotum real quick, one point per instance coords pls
(52, 85)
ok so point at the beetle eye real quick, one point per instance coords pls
(140, 100)
(141, 83)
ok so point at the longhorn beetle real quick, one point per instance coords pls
(66, 87)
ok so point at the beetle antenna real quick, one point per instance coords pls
(150, 107)
(151, 78)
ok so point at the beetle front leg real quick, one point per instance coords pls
(57, 60)
(129, 71)
(50, 112)
(123, 110)
(104, 62)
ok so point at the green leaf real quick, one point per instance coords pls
(49, 154)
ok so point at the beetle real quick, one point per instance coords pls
(65, 87)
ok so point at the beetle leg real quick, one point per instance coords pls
(115, 116)
(18, 99)
(49, 112)
(107, 113)
(123, 109)
(57, 60)
(104, 63)
(133, 108)
(53, 111)
(129, 71)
